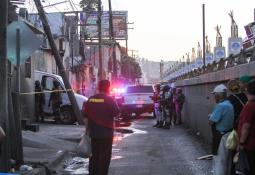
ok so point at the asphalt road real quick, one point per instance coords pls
(144, 150)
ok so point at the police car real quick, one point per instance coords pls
(137, 100)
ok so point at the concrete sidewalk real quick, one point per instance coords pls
(51, 145)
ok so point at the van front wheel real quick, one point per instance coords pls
(67, 115)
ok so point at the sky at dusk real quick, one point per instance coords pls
(167, 29)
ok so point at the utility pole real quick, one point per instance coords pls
(18, 116)
(100, 71)
(203, 6)
(58, 60)
(4, 114)
(111, 32)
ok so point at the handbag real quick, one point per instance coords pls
(232, 140)
(84, 147)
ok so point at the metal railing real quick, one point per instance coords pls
(245, 56)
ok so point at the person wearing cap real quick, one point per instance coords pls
(238, 99)
(246, 128)
(221, 121)
(100, 110)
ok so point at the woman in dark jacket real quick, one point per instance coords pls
(237, 98)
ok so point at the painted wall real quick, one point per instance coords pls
(197, 90)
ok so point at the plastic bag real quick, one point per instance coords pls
(84, 147)
(232, 140)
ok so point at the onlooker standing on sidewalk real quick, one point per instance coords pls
(180, 98)
(221, 121)
(101, 110)
(56, 100)
(246, 127)
(238, 99)
(39, 102)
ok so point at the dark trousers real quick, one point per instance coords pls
(178, 110)
(39, 111)
(173, 113)
(101, 156)
(251, 160)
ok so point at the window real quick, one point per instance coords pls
(28, 68)
(47, 83)
(140, 89)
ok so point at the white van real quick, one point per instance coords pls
(66, 112)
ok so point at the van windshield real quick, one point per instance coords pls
(140, 89)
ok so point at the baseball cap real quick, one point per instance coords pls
(245, 79)
(219, 89)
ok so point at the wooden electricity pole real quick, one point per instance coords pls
(58, 60)
(4, 115)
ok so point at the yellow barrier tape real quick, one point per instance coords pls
(45, 91)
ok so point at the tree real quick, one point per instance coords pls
(130, 69)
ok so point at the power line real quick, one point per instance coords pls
(53, 6)
(74, 5)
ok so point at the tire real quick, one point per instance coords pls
(66, 115)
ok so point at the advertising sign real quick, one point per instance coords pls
(234, 45)
(119, 24)
(219, 52)
(208, 58)
(199, 62)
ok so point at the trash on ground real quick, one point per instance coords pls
(76, 166)
(207, 157)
